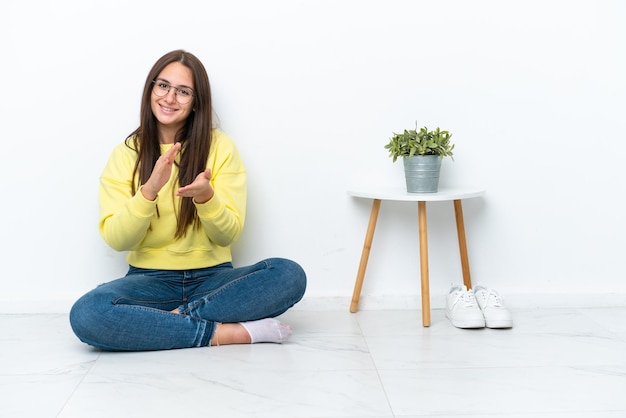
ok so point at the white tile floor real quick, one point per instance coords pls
(553, 363)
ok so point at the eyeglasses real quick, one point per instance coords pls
(161, 88)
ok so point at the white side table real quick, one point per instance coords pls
(377, 194)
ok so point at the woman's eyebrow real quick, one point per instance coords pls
(168, 82)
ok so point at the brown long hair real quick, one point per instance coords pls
(194, 136)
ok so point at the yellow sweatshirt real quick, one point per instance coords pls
(130, 223)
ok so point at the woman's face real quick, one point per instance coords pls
(172, 86)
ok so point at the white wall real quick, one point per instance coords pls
(533, 92)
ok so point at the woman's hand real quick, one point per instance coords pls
(161, 173)
(200, 189)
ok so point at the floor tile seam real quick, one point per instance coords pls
(600, 324)
(446, 365)
(295, 372)
(430, 366)
(324, 335)
(503, 414)
(79, 383)
(376, 370)
(602, 368)
(384, 390)
(42, 374)
(607, 335)
(505, 333)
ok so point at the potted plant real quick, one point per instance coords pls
(422, 151)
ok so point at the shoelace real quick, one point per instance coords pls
(492, 296)
(468, 298)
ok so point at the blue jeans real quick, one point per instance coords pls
(133, 313)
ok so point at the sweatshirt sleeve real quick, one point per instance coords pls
(124, 218)
(223, 216)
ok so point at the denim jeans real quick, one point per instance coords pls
(133, 313)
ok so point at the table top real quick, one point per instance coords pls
(400, 193)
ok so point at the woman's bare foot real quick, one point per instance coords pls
(268, 330)
(235, 333)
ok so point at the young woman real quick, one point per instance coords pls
(173, 195)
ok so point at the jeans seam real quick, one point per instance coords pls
(211, 295)
(144, 301)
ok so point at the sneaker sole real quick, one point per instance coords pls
(467, 324)
(499, 324)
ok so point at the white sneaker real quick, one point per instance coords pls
(491, 304)
(462, 309)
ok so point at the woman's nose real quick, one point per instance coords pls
(171, 95)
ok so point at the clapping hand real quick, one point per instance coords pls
(201, 189)
(161, 173)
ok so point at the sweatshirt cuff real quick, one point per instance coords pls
(209, 209)
(141, 206)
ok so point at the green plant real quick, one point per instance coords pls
(423, 142)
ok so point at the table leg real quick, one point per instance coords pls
(369, 236)
(460, 229)
(421, 214)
